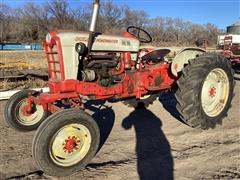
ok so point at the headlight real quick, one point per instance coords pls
(80, 48)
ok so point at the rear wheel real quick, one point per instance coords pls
(16, 114)
(205, 91)
(66, 142)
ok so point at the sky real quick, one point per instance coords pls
(222, 13)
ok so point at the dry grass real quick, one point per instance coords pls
(7, 85)
(23, 59)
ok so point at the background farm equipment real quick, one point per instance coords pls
(86, 66)
(202, 43)
(230, 43)
(19, 46)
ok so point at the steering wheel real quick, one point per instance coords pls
(142, 35)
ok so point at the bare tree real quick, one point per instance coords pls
(212, 31)
(110, 17)
(5, 19)
(32, 22)
(80, 18)
(59, 11)
(133, 17)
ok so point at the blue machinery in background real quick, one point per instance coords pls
(19, 46)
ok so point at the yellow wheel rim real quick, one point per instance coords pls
(70, 144)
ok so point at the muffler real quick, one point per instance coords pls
(92, 27)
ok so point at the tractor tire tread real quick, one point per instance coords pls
(45, 129)
(10, 114)
(189, 85)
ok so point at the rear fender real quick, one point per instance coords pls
(182, 58)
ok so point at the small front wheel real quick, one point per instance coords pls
(16, 114)
(66, 142)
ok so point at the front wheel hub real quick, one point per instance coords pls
(70, 144)
(28, 118)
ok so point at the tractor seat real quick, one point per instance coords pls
(156, 55)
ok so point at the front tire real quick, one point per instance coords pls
(205, 91)
(65, 142)
(16, 115)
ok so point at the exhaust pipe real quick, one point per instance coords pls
(92, 27)
(94, 16)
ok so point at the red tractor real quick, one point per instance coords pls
(94, 66)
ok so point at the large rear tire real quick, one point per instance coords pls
(205, 91)
(16, 115)
(65, 142)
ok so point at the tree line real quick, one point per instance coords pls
(31, 22)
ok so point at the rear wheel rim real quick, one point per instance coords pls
(215, 92)
(28, 119)
(70, 144)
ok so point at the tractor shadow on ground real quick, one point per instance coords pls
(153, 151)
(236, 68)
(105, 118)
(169, 103)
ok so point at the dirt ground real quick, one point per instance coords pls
(141, 144)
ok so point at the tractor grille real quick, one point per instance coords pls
(55, 61)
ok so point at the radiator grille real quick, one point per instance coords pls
(54, 60)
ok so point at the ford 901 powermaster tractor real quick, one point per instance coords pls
(90, 65)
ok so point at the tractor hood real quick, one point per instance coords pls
(66, 41)
(102, 42)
